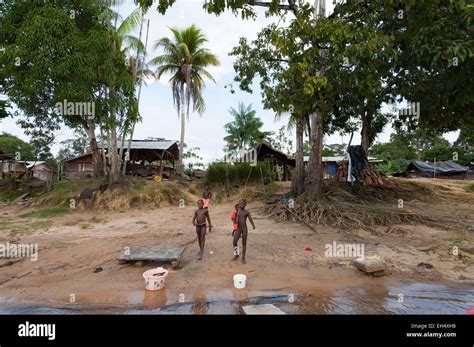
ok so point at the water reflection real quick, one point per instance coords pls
(382, 298)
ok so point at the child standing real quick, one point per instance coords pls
(206, 196)
(199, 220)
(233, 218)
(242, 230)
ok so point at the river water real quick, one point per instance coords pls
(397, 297)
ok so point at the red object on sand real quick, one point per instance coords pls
(307, 249)
(470, 311)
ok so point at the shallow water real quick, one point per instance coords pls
(417, 298)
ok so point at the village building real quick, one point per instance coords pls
(41, 170)
(146, 158)
(440, 169)
(78, 167)
(331, 164)
(264, 151)
(13, 168)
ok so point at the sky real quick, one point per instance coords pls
(160, 118)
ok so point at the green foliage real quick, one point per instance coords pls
(335, 149)
(442, 153)
(47, 212)
(391, 166)
(244, 132)
(281, 141)
(71, 148)
(186, 60)
(193, 159)
(13, 145)
(226, 174)
(140, 185)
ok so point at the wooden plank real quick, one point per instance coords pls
(262, 309)
(22, 197)
(152, 253)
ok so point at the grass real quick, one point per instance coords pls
(20, 228)
(7, 195)
(470, 187)
(226, 174)
(86, 226)
(46, 213)
(64, 191)
(140, 185)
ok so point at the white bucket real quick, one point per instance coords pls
(239, 281)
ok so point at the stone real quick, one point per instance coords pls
(262, 309)
(372, 266)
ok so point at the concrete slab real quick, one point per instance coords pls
(262, 309)
(152, 253)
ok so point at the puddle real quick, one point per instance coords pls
(417, 298)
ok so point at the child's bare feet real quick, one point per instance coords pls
(243, 261)
(199, 256)
(235, 257)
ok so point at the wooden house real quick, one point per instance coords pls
(79, 167)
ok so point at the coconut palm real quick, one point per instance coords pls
(185, 59)
(244, 131)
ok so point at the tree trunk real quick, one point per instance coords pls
(314, 185)
(364, 134)
(367, 118)
(96, 159)
(183, 126)
(114, 158)
(104, 158)
(298, 178)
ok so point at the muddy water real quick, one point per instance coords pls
(397, 297)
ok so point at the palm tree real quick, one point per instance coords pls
(185, 59)
(244, 131)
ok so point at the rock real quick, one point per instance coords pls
(87, 193)
(425, 265)
(374, 267)
(97, 269)
(470, 229)
(175, 264)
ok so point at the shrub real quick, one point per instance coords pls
(226, 174)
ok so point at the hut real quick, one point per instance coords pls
(470, 172)
(264, 151)
(146, 158)
(440, 169)
(3, 158)
(331, 164)
(41, 170)
(13, 168)
(79, 167)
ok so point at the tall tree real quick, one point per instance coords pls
(244, 131)
(185, 58)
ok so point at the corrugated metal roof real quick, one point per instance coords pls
(339, 158)
(139, 144)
